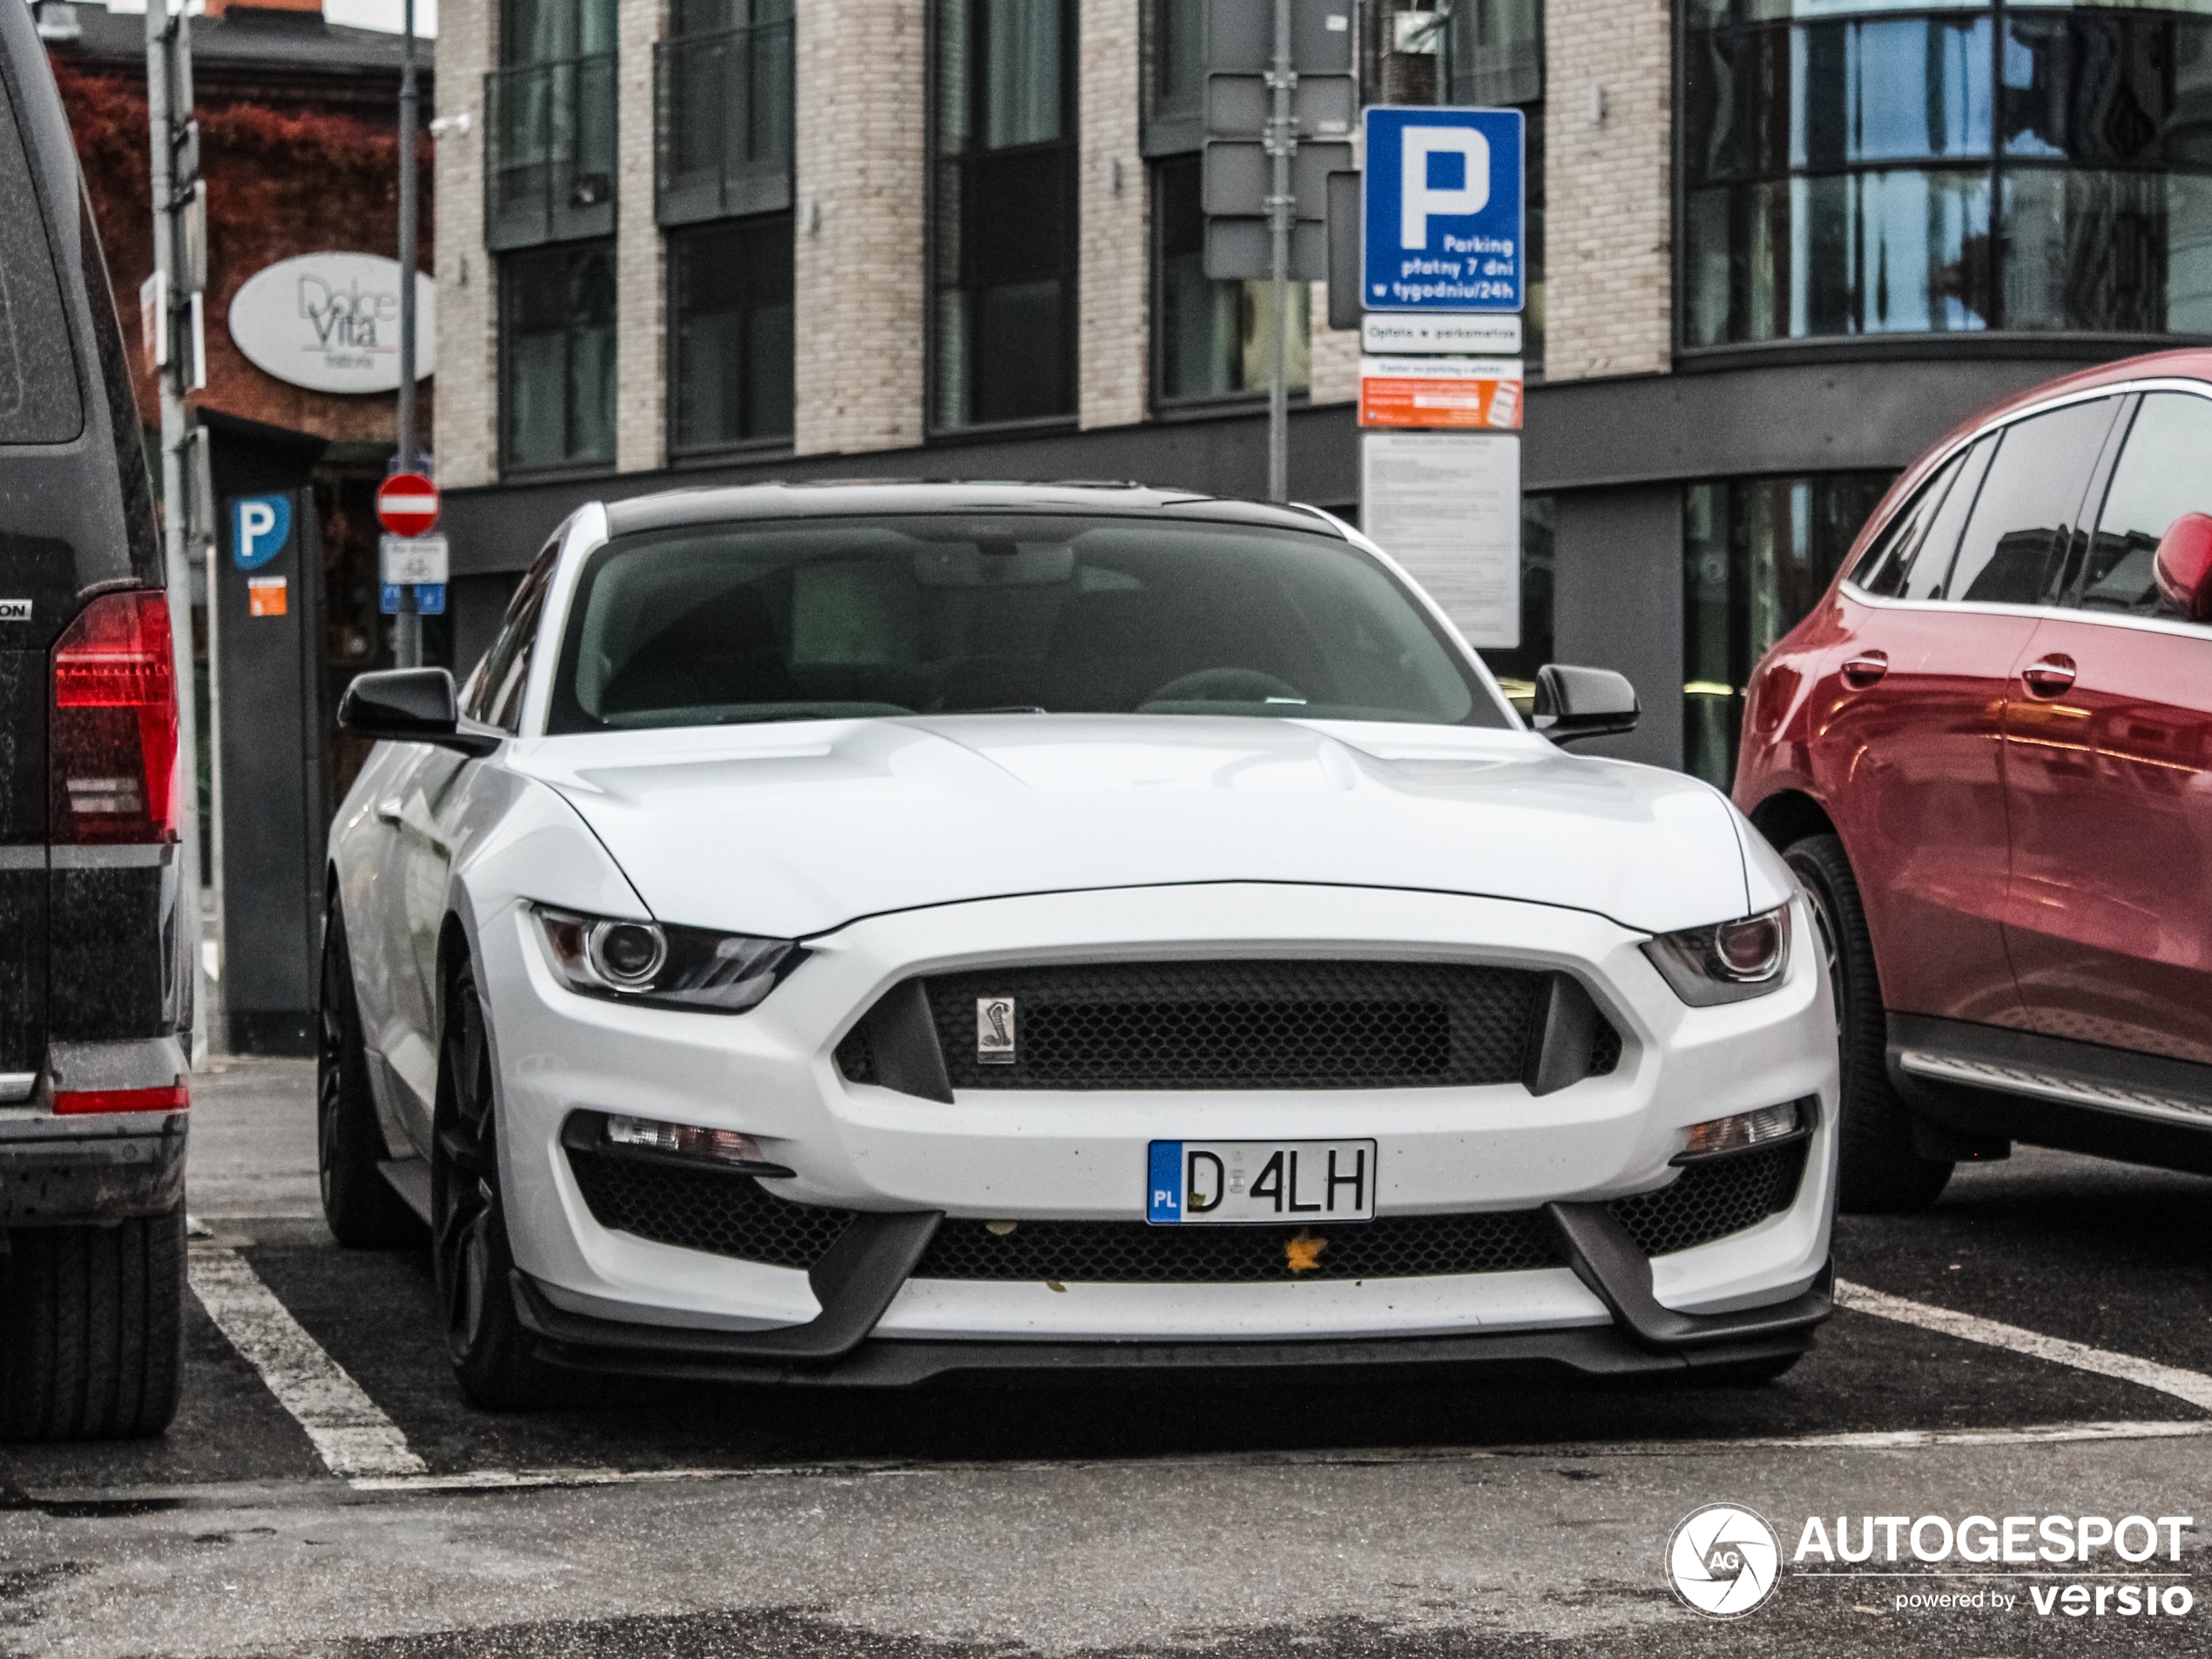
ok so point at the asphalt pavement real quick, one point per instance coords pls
(2039, 1346)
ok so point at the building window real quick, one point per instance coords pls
(723, 83)
(1174, 101)
(556, 353)
(1003, 235)
(2027, 170)
(1211, 339)
(730, 320)
(1493, 56)
(550, 172)
(1757, 554)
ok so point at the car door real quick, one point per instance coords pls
(2108, 767)
(1911, 707)
(422, 806)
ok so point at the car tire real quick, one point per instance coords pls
(1878, 1171)
(92, 1319)
(358, 1203)
(491, 1353)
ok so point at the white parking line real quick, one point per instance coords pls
(2191, 1386)
(353, 1438)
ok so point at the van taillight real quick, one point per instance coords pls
(112, 753)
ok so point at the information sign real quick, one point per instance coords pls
(1446, 505)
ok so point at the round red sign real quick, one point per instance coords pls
(407, 503)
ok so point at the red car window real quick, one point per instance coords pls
(2162, 474)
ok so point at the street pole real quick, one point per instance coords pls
(407, 646)
(168, 118)
(1282, 204)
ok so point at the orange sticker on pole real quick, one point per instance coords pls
(1441, 393)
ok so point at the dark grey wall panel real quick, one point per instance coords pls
(1617, 605)
(1767, 419)
(1761, 417)
(500, 527)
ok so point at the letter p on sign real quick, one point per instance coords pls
(1418, 199)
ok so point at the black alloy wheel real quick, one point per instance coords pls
(362, 1210)
(491, 1353)
(1879, 1173)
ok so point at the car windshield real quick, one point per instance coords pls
(838, 619)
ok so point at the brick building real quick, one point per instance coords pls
(298, 123)
(1778, 245)
(299, 149)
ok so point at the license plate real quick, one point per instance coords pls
(1251, 1182)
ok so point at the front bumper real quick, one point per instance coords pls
(836, 1348)
(1047, 1156)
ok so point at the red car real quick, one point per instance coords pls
(1987, 753)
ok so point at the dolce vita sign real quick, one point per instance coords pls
(331, 322)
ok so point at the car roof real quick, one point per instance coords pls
(851, 498)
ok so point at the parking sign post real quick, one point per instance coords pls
(1443, 276)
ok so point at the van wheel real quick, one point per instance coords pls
(362, 1210)
(491, 1353)
(92, 1323)
(1879, 1173)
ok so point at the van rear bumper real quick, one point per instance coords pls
(55, 1172)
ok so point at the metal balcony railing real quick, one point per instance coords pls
(723, 123)
(549, 157)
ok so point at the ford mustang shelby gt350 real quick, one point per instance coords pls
(859, 933)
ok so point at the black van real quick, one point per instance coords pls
(95, 992)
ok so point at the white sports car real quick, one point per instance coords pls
(865, 931)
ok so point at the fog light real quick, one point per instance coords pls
(685, 1140)
(1744, 1131)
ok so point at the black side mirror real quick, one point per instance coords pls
(1574, 703)
(414, 706)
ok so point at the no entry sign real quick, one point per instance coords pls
(407, 503)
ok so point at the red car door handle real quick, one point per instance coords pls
(1865, 669)
(2053, 677)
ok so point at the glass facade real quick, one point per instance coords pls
(1002, 245)
(557, 355)
(730, 334)
(1211, 339)
(1939, 170)
(1757, 554)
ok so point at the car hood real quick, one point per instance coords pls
(789, 830)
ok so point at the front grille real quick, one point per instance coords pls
(1243, 1025)
(734, 1215)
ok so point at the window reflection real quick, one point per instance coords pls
(1763, 101)
(2054, 177)
(1855, 254)
(2113, 252)
(2108, 89)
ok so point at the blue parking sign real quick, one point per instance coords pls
(1443, 211)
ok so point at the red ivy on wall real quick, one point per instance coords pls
(279, 183)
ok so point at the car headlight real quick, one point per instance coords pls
(663, 966)
(1725, 961)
